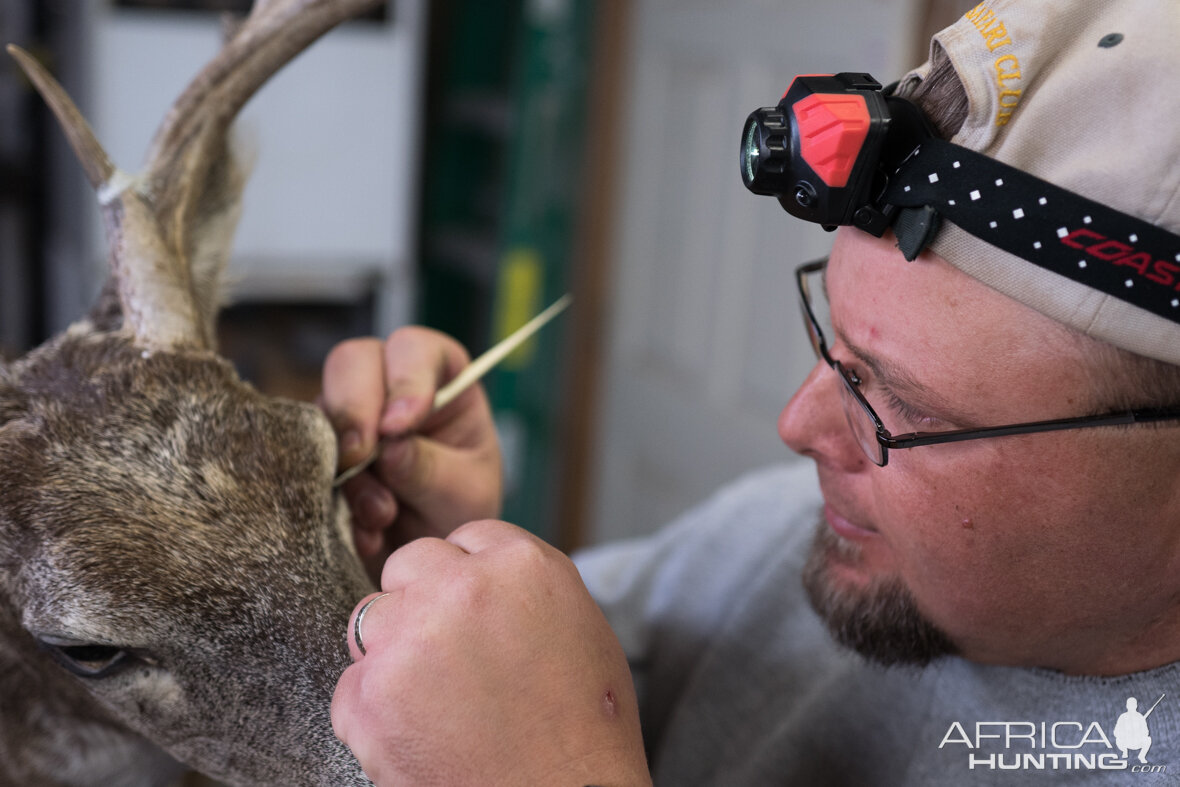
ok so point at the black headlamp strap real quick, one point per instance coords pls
(1083, 240)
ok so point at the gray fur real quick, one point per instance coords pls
(154, 504)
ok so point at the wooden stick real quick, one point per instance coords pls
(470, 375)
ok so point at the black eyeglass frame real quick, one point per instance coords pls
(887, 441)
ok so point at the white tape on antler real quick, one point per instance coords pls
(116, 184)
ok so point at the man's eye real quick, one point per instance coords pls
(87, 660)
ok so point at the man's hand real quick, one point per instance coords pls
(434, 472)
(488, 663)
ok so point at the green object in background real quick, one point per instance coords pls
(504, 145)
(467, 138)
(537, 248)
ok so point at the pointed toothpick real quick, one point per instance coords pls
(470, 375)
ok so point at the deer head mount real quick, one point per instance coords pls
(176, 574)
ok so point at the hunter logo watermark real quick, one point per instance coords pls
(1058, 745)
(1131, 732)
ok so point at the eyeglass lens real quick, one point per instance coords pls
(860, 419)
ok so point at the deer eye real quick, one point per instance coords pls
(87, 660)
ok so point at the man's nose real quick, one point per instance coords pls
(814, 424)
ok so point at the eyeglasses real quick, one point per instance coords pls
(866, 425)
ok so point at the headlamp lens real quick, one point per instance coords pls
(750, 150)
(765, 151)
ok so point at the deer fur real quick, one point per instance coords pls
(166, 529)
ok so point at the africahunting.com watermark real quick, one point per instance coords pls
(1058, 745)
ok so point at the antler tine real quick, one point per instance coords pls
(275, 32)
(167, 316)
(81, 137)
(190, 177)
(190, 180)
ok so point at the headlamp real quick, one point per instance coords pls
(818, 151)
(840, 150)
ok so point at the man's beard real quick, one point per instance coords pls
(881, 621)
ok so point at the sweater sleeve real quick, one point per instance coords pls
(666, 596)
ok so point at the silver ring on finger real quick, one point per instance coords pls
(356, 626)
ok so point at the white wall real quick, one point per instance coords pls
(705, 342)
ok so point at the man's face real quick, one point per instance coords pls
(1057, 549)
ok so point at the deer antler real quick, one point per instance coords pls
(94, 159)
(170, 229)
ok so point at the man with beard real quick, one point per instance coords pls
(990, 533)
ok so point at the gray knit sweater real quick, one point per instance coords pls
(740, 684)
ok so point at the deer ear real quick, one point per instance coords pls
(213, 213)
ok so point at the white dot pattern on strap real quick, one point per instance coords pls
(1063, 232)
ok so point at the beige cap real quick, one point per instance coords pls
(1079, 93)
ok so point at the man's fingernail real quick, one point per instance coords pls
(350, 443)
(397, 414)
